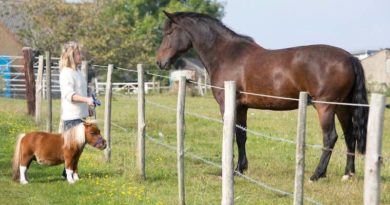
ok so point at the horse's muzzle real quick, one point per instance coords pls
(163, 64)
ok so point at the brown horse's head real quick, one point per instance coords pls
(175, 42)
(93, 136)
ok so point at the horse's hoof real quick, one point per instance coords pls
(71, 181)
(316, 177)
(347, 177)
(23, 182)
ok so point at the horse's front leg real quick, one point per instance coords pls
(241, 118)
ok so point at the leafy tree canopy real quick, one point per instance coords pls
(119, 32)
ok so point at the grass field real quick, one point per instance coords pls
(270, 162)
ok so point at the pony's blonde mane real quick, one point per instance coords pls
(67, 58)
(74, 137)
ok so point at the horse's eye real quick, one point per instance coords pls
(168, 32)
(92, 133)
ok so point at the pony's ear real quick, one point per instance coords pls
(170, 16)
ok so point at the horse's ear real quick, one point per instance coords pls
(170, 16)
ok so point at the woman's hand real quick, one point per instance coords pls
(89, 101)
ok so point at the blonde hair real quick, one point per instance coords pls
(74, 137)
(68, 55)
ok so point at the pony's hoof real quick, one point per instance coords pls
(23, 182)
(71, 181)
(76, 177)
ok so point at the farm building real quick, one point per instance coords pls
(10, 23)
(377, 70)
(193, 70)
(362, 54)
(10, 47)
(9, 44)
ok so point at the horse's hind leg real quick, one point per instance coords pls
(345, 117)
(241, 118)
(326, 116)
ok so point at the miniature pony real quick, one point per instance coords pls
(53, 149)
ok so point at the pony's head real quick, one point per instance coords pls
(93, 136)
(86, 132)
(175, 41)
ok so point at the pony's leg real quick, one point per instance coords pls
(22, 174)
(75, 169)
(25, 161)
(345, 117)
(69, 167)
(326, 117)
(69, 176)
(241, 118)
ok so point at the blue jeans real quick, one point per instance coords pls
(71, 123)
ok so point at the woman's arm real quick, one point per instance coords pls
(82, 99)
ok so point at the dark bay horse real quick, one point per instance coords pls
(53, 149)
(327, 73)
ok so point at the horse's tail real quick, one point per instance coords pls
(359, 113)
(16, 159)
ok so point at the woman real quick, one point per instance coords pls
(74, 100)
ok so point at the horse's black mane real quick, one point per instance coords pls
(211, 20)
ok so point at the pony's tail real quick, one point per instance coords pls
(359, 113)
(16, 159)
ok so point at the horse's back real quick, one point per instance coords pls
(325, 72)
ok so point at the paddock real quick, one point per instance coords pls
(271, 151)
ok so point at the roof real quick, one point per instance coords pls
(190, 64)
(13, 36)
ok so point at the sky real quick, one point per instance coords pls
(349, 24)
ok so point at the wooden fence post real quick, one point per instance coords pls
(180, 138)
(107, 114)
(205, 82)
(30, 81)
(200, 87)
(49, 125)
(141, 123)
(300, 149)
(38, 91)
(96, 87)
(84, 72)
(229, 125)
(373, 157)
(154, 84)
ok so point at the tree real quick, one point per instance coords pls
(50, 24)
(121, 32)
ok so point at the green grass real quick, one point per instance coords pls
(117, 182)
